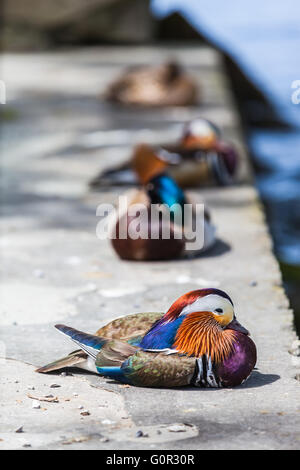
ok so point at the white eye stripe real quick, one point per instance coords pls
(209, 303)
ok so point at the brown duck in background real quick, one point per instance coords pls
(152, 248)
(201, 157)
(166, 84)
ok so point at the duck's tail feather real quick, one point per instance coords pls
(90, 344)
(121, 175)
(72, 360)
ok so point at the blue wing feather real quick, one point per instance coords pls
(89, 343)
(161, 335)
(116, 373)
(164, 190)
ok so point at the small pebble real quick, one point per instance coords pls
(85, 413)
(38, 273)
(253, 283)
(63, 374)
(295, 348)
(139, 434)
(30, 387)
(104, 439)
(73, 260)
(55, 386)
(19, 430)
(35, 405)
(81, 407)
(26, 444)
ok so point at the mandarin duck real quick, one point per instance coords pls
(200, 157)
(171, 219)
(166, 84)
(198, 341)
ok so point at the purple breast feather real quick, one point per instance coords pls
(239, 365)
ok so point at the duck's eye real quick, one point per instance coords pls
(219, 310)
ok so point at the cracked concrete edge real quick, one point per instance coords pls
(104, 421)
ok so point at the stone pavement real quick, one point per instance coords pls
(54, 269)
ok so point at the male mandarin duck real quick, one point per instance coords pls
(202, 143)
(200, 157)
(161, 194)
(162, 85)
(198, 341)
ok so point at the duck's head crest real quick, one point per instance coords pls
(213, 301)
(200, 134)
(213, 304)
(207, 322)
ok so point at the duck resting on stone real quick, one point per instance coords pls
(172, 224)
(160, 85)
(201, 157)
(198, 341)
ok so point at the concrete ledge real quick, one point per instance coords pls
(54, 269)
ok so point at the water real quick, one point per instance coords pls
(263, 38)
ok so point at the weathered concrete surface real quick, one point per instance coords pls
(39, 24)
(43, 13)
(53, 268)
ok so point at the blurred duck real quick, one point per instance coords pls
(200, 157)
(167, 210)
(162, 85)
(198, 341)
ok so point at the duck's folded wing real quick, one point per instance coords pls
(130, 327)
(152, 369)
(114, 353)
